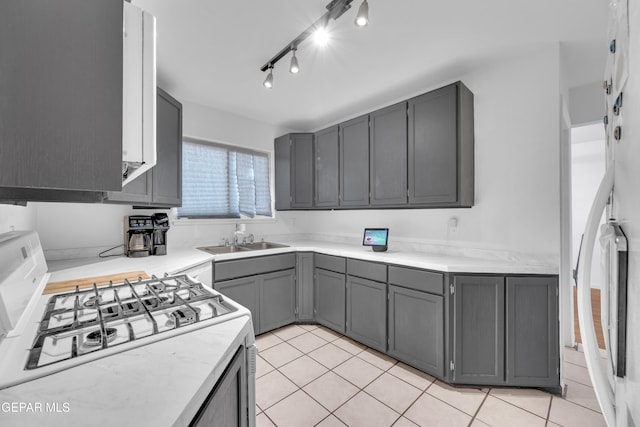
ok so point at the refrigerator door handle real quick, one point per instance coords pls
(602, 387)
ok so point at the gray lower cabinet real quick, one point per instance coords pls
(329, 299)
(416, 329)
(440, 143)
(354, 162)
(388, 156)
(244, 291)
(304, 272)
(367, 312)
(226, 405)
(327, 153)
(61, 102)
(478, 343)
(532, 332)
(277, 299)
(162, 185)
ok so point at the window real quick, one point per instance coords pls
(220, 181)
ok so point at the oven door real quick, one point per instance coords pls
(227, 404)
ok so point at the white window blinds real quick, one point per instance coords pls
(220, 181)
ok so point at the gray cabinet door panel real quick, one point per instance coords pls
(330, 262)
(305, 285)
(479, 330)
(532, 332)
(388, 156)
(245, 292)
(329, 299)
(367, 312)
(433, 144)
(137, 191)
(366, 269)
(167, 173)
(354, 162)
(277, 299)
(327, 168)
(282, 154)
(416, 329)
(302, 170)
(420, 280)
(61, 102)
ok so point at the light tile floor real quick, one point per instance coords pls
(308, 375)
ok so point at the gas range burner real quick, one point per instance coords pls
(159, 287)
(183, 316)
(92, 302)
(94, 338)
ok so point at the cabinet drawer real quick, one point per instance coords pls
(250, 266)
(419, 280)
(330, 262)
(368, 270)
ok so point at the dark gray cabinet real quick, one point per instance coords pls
(388, 156)
(478, 312)
(304, 272)
(162, 185)
(416, 329)
(330, 292)
(282, 175)
(302, 155)
(532, 332)
(327, 153)
(265, 285)
(226, 405)
(367, 312)
(440, 144)
(354, 162)
(244, 291)
(61, 103)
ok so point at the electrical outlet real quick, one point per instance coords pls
(453, 225)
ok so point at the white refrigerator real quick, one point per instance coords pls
(616, 379)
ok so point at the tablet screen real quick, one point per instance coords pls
(375, 236)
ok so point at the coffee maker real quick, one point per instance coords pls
(138, 235)
(160, 228)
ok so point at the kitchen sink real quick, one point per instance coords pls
(262, 245)
(241, 248)
(223, 249)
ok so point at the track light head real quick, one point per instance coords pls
(268, 82)
(321, 36)
(294, 68)
(362, 18)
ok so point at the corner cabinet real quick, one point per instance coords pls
(505, 331)
(61, 103)
(294, 174)
(162, 185)
(440, 143)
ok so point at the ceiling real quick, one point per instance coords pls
(210, 51)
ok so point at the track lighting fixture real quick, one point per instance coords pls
(362, 18)
(335, 10)
(294, 68)
(268, 82)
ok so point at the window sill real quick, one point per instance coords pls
(182, 222)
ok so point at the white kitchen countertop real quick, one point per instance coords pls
(159, 384)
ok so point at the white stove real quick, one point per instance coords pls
(44, 334)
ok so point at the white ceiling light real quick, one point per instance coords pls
(362, 18)
(294, 68)
(268, 82)
(321, 36)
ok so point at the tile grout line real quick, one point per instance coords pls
(486, 396)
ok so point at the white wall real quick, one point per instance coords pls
(17, 218)
(516, 161)
(70, 230)
(587, 170)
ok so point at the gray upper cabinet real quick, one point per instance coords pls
(532, 332)
(440, 143)
(478, 312)
(367, 312)
(61, 103)
(388, 156)
(162, 185)
(354, 162)
(327, 168)
(282, 154)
